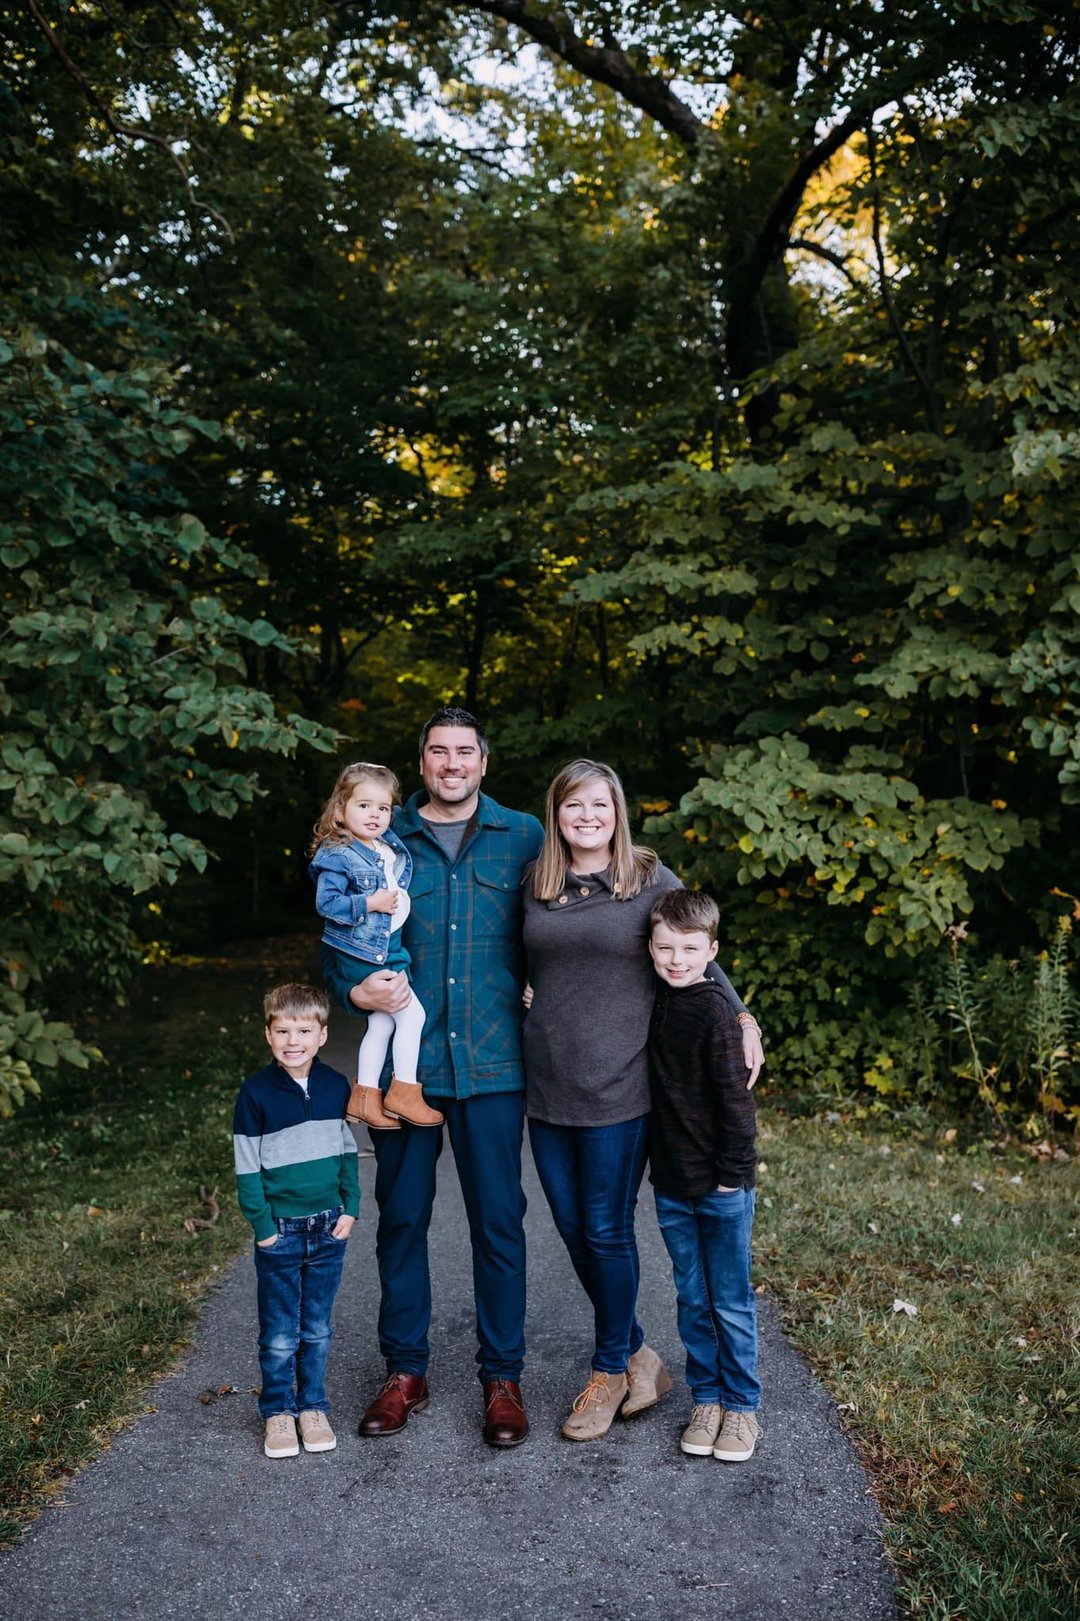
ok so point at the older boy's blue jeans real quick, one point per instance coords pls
(708, 1240)
(298, 1279)
(591, 1176)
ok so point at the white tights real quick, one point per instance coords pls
(405, 1028)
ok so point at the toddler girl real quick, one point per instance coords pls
(362, 871)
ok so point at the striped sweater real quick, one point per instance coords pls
(294, 1154)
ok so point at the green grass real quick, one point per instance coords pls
(970, 1437)
(99, 1282)
(966, 1414)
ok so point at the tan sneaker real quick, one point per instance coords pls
(405, 1100)
(739, 1435)
(593, 1412)
(699, 1436)
(648, 1380)
(315, 1431)
(280, 1438)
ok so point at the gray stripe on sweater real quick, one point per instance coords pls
(293, 1145)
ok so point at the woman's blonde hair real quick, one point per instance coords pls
(632, 866)
(330, 828)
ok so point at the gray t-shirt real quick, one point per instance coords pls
(450, 835)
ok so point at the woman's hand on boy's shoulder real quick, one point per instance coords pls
(753, 1053)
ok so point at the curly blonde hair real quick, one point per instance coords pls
(330, 828)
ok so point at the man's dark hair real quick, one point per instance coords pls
(451, 716)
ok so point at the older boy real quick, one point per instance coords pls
(703, 1162)
(298, 1185)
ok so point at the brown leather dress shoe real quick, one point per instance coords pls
(402, 1394)
(505, 1424)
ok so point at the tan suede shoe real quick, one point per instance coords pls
(648, 1380)
(315, 1431)
(280, 1437)
(594, 1410)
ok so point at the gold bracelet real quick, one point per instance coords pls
(747, 1018)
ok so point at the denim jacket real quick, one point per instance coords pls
(344, 876)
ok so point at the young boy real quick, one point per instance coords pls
(298, 1184)
(703, 1163)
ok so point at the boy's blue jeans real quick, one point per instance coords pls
(708, 1240)
(591, 1176)
(298, 1278)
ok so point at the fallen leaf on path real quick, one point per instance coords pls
(905, 1306)
(210, 1394)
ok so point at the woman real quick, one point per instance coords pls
(586, 923)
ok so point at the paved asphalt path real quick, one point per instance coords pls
(184, 1517)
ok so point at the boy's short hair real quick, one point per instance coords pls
(296, 1002)
(687, 911)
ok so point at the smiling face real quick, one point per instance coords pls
(367, 811)
(680, 959)
(452, 768)
(587, 823)
(294, 1041)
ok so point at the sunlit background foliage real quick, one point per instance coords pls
(693, 387)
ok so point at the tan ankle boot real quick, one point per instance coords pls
(594, 1410)
(648, 1380)
(407, 1102)
(365, 1108)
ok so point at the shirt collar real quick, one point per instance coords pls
(489, 813)
(581, 888)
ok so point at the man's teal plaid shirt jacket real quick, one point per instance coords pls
(464, 936)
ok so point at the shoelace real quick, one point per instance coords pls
(395, 1382)
(732, 1427)
(595, 1391)
(501, 1387)
(701, 1417)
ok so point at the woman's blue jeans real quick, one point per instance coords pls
(708, 1240)
(298, 1279)
(591, 1176)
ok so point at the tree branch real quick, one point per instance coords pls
(886, 291)
(804, 245)
(118, 130)
(606, 64)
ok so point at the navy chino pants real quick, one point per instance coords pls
(485, 1134)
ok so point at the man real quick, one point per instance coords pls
(464, 937)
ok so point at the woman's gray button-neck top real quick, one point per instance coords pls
(593, 986)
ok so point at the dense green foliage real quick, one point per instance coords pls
(689, 386)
